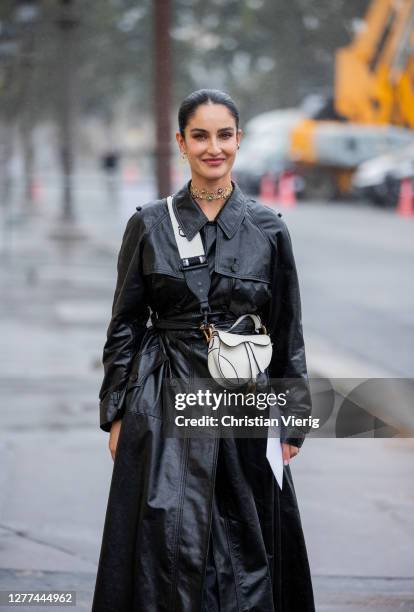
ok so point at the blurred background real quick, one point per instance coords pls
(89, 94)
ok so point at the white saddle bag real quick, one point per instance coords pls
(236, 359)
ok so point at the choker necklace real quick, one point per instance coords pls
(203, 194)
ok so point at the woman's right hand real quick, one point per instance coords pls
(113, 436)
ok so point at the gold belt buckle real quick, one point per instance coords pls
(208, 331)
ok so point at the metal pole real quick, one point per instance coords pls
(162, 94)
(9, 49)
(67, 22)
(27, 14)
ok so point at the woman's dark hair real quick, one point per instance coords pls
(204, 96)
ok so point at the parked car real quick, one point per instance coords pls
(264, 148)
(379, 179)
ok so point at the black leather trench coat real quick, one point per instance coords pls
(198, 525)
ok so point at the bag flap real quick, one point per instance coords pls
(236, 339)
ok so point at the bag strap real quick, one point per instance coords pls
(186, 248)
(194, 263)
(256, 320)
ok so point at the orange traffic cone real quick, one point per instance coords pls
(35, 190)
(287, 194)
(268, 192)
(130, 174)
(405, 207)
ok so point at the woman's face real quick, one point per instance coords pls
(211, 141)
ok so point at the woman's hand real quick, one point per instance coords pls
(113, 436)
(288, 451)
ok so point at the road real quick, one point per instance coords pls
(355, 496)
(355, 266)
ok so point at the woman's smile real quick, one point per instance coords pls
(214, 162)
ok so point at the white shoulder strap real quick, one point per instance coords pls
(256, 321)
(187, 248)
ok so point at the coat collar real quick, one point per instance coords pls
(191, 218)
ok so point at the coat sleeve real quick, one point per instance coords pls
(127, 326)
(284, 319)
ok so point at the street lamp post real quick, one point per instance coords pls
(162, 94)
(67, 22)
(26, 16)
(8, 51)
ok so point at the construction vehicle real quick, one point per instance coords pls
(372, 110)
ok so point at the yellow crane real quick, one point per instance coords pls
(374, 86)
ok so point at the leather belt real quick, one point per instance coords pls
(176, 325)
(187, 324)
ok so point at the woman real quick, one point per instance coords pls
(199, 525)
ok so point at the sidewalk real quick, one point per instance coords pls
(334, 594)
(57, 467)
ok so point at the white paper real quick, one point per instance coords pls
(275, 458)
(274, 447)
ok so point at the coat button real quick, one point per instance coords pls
(139, 208)
(279, 214)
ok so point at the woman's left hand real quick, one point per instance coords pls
(288, 451)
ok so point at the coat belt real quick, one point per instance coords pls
(193, 322)
(174, 324)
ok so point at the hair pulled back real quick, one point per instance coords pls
(204, 96)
